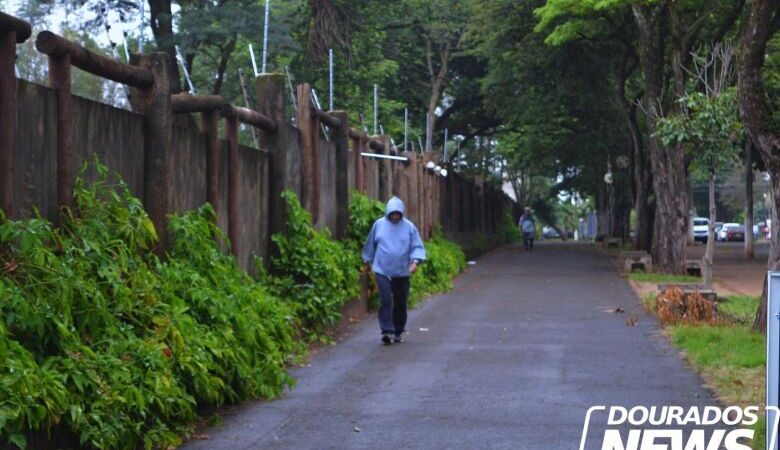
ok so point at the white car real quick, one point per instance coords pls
(700, 228)
(724, 230)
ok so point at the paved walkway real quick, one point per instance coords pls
(512, 358)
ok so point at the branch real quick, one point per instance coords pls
(694, 28)
(728, 23)
(401, 25)
(429, 57)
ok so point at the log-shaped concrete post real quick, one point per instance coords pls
(272, 102)
(308, 134)
(385, 171)
(451, 209)
(12, 31)
(422, 178)
(341, 138)
(413, 187)
(401, 182)
(357, 160)
(231, 136)
(154, 102)
(441, 202)
(59, 79)
(209, 126)
(8, 95)
(233, 116)
(456, 202)
(316, 169)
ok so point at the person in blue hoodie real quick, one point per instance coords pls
(393, 250)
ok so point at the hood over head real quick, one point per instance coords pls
(394, 205)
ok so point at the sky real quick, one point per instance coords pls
(60, 16)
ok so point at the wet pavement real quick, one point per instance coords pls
(512, 358)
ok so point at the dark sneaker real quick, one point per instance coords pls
(386, 339)
(398, 339)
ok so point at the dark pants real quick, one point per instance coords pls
(528, 240)
(393, 295)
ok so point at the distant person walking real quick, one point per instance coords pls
(393, 250)
(528, 228)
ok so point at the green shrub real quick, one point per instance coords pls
(444, 260)
(316, 274)
(244, 335)
(363, 212)
(112, 345)
(508, 231)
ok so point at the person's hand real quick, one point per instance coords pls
(367, 267)
(413, 267)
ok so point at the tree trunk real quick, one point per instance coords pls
(438, 77)
(759, 323)
(668, 164)
(162, 27)
(708, 254)
(759, 27)
(224, 59)
(641, 182)
(748, 199)
(621, 208)
(691, 210)
(602, 212)
(773, 262)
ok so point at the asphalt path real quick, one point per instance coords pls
(512, 358)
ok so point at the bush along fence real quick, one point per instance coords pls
(124, 313)
(105, 345)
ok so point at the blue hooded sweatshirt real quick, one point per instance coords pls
(393, 246)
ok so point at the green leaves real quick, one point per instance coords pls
(444, 260)
(315, 274)
(709, 125)
(106, 341)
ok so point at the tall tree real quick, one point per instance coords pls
(558, 107)
(759, 110)
(667, 32)
(708, 125)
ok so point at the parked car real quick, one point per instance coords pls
(550, 233)
(701, 227)
(723, 233)
(735, 233)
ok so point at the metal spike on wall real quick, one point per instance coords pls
(254, 63)
(330, 78)
(265, 34)
(376, 107)
(180, 58)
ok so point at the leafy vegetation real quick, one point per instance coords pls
(316, 274)
(729, 355)
(363, 212)
(444, 260)
(732, 359)
(739, 309)
(104, 341)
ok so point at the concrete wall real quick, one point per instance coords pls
(116, 138)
